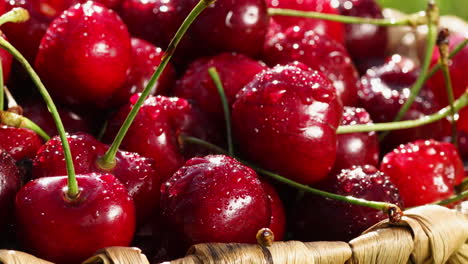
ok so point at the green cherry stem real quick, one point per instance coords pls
(462, 186)
(73, 190)
(15, 15)
(107, 161)
(444, 112)
(432, 21)
(412, 20)
(454, 198)
(452, 54)
(227, 115)
(15, 120)
(392, 210)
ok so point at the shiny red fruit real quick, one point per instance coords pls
(424, 171)
(85, 55)
(10, 184)
(285, 120)
(278, 215)
(20, 143)
(68, 231)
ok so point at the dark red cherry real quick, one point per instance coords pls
(10, 184)
(383, 91)
(215, 199)
(356, 149)
(318, 52)
(6, 60)
(20, 143)
(235, 71)
(146, 59)
(364, 40)
(457, 68)
(424, 171)
(285, 120)
(53, 8)
(316, 218)
(90, 47)
(229, 25)
(156, 129)
(136, 173)
(278, 216)
(333, 30)
(61, 230)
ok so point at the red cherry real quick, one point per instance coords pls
(10, 184)
(333, 30)
(285, 121)
(317, 218)
(53, 8)
(90, 47)
(215, 199)
(318, 52)
(68, 231)
(278, 216)
(235, 71)
(424, 171)
(20, 143)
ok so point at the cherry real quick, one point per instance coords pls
(146, 59)
(235, 71)
(53, 8)
(364, 41)
(90, 46)
(357, 149)
(285, 121)
(68, 231)
(156, 129)
(215, 199)
(20, 143)
(383, 91)
(278, 216)
(318, 52)
(316, 218)
(424, 171)
(333, 30)
(135, 172)
(11, 182)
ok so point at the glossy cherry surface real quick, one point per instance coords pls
(19, 142)
(424, 171)
(318, 219)
(356, 149)
(136, 173)
(215, 199)
(235, 71)
(285, 120)
(89, 46)
(278, 215)
(333, 30)
(69, 231)
(10, 184)
(318, 52)
(383, 91)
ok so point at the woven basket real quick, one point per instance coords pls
(425, 235)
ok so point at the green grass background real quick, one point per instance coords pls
(454, 7)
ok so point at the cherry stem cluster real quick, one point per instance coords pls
(392, 210)
(108, 160)
(227, 115)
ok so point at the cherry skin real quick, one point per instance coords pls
(235, 71)
(321, 219)
(333, 30)
(356, 149)
(11, 183)
(136, 173)
(20, 143)
(90, 46)
(53, 8)
(424, 171)
(215, 199)
(318, 52)
(285, 120)
(383, 91)
(278, 216)
(61, 230)
(146, 59)
(6, 60)
(156, 129)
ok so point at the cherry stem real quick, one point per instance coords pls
(452, 54)
(15, 15)
(454, 198)
(432, 20)
(412, 20)
(227, 115)
(443, 44)
(462, 186)
(19, 121)
(442, 113)
(73, 190)
(107, 161)
(391, 209)
(12, 104)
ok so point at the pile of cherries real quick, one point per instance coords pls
(289, 84)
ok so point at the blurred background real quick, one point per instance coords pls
(454, 7)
